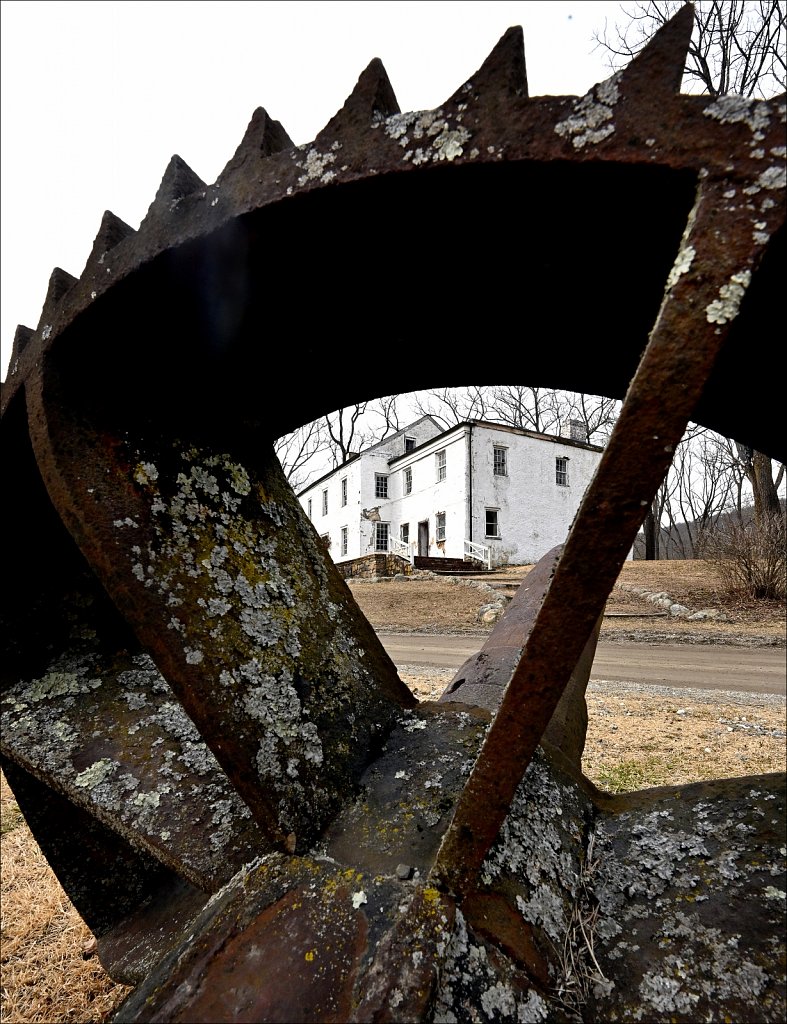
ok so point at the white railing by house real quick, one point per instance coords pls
(398, 547)
(479, 551)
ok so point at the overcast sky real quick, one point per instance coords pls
(97, 96)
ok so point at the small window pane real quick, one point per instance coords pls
(381, 536)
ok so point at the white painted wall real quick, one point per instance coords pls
(430, 496)
(361, 501)
(534, 511)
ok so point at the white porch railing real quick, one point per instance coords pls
(479, 551)
(398, 547)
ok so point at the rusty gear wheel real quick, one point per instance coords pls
(204, 733)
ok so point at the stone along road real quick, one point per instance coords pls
(705, 667)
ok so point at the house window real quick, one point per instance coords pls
(409, 444)
(309, 508)
(440, 526)
(561, 472)
(492, 524)
(344, 540)
(381, 536)
(344, 490)
(440, 464)
(500, 460)
(404, 533)
(408, 481)
(380, 485)
(325, 502)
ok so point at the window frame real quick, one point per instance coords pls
(343, 539)
(381, 485)
(441, 465)
(499, 459)
(439, 527)
(404, 533)
(378, 528)
(496, 513)
(407, 480)
(344, 491)
(561, 471)
(409, 444)
(309, 507)
(325, 502)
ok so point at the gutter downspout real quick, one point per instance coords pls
(470, 481)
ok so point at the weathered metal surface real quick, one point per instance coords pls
(302, 939)
(682, 351)
(140, 450)
(213, 563)
(112, 738)
(483, 678)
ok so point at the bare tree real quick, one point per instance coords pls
(527, 408)
(737, 46)
(300, 449)
(449, 406)
(347, 432)
(386, 412)
(543, 410)
(704, 488)
(596, 413)
(759, 472)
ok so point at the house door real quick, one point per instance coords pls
(423, 539)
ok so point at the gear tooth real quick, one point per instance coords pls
(262, 138)
(659, 65)
(22, 336)
(59, 283)
(503, 72)
(372, 98)
(179, 180)
(111, 231)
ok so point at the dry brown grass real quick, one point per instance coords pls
(45, 976)
(442, 605)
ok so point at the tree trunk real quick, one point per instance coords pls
(651, 536)
(766, 497)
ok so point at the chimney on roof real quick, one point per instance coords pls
(575, 430)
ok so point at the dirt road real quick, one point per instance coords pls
(706, 667)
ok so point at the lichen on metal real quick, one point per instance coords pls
(266, 817)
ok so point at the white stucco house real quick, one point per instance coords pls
(497, 493)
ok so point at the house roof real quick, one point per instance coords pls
(505, 428)
(463, 424)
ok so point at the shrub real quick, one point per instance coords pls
(749, 556)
